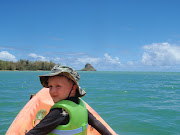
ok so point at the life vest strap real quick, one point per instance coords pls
(69, 132)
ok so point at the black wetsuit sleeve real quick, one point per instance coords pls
(50, 122)
(97, 125)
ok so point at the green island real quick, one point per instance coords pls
(26, 65)
(88, 67)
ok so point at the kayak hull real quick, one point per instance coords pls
(42, 100)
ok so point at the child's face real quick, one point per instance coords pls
(59, 87)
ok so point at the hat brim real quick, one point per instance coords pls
(44, 81)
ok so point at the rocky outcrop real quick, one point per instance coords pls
(88, 67)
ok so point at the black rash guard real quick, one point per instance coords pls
(57, 117)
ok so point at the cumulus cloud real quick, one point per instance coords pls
(6, 56)
(130, 63)
(110, 60)
(6, 48)
(102, 63)
(161, 54)
(37, 57)
(88, 60)
(97, 60)
(56, 60)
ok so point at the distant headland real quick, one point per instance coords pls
(88, 67)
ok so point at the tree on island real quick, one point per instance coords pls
(26, 65)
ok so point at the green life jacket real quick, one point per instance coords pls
(78, 118)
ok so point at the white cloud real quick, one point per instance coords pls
(6, 56)
(97, 60)
(6, 48)
(161, 54)
(37, 57)
(56, 60)
(108, 59)
(88, 60)
(33, 55)
(130, 63)
(99, 63)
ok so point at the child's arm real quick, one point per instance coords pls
(50, 122)
(97, 125)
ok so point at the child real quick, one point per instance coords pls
(69, 114)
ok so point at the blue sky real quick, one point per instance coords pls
(115, 35)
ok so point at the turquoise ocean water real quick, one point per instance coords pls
(132, 103)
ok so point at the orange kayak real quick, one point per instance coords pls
(42, 100)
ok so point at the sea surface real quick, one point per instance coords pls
(132, 103)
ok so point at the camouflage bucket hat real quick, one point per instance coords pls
(63, 71)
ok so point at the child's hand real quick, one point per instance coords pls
(39, 116)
